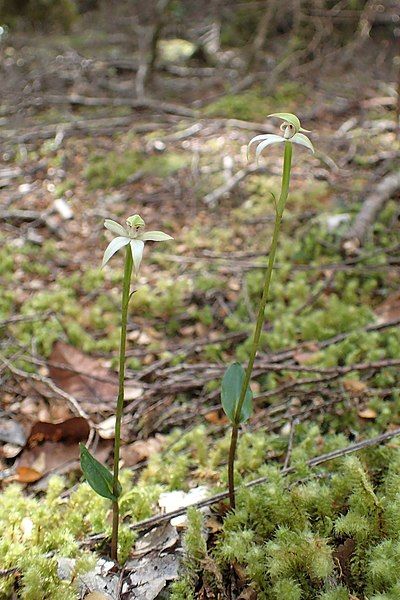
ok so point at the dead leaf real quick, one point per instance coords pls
(26, 475)
(52, 447)
(343, 555)
(159, 538)
(213, 524)
(389, 309)
(240, 572)
(248, 594)
(216, 417)
(82, 376)
(304, 358)
(354, 386)
(106, 429)
(71, 431)
(51, 457)
(132, 391)
(96, 596)
(367, 413)
(150, 574)
(141, 449)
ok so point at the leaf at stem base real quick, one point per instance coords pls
(97, 475)
(230, 393)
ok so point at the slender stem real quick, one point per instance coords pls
(231, 465)
(280, 206)
(120, 400)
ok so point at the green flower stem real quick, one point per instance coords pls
(279, 208)
(120, 401)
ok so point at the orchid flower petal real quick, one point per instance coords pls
(113, 247)
(155, 236)
(137, 253)
(257, 138)
(272, 139)
(114, 227)
(303, 140)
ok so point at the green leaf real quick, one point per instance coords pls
(289, 118)
(97, 475)
(230, 393)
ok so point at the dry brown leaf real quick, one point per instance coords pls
(96, 596)
(248, 594)
(26, 475)
(354, 386)
(141, 449)
(367, 413)
(389, 309)
(187, 330)
(51, 457)
(84, 377)
(304, 358)
(71, 431)
(213, 524)
(216, 417)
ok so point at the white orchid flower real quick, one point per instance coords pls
(292, 132)
(134, 235)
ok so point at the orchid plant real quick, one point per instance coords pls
(132, 237)
(236, 395)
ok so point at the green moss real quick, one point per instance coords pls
(114, 169)
(248, 106)
(254, 105)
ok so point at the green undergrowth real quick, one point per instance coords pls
(114, 168)
(249, 105)
(329, 534)
(303, 307)
(287, 535)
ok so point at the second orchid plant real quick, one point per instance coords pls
(132, 237)
(236, 395)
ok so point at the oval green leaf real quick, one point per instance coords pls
(231, 387)
(97, 475)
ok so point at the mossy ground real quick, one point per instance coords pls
(287, 538)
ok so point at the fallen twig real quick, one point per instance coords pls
(373, 204)
(103, 126)
(142, 103)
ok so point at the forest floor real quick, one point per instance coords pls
(78, 147)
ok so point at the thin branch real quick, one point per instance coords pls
(387, 188)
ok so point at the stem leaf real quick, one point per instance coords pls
(232, 382)
(97, 475)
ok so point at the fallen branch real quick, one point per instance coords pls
(104, 126)
(373, 204)
(143, 103)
